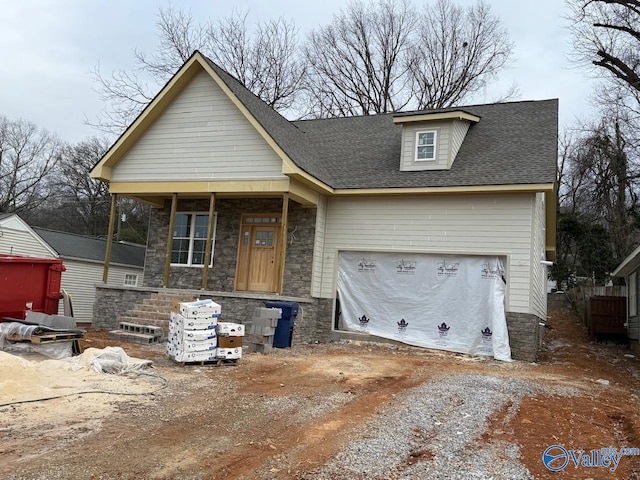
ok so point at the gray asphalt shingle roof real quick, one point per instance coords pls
(514, 143)
(91, 248)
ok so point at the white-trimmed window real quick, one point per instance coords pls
(426, 145)
(130, 280)
(633, 295)
(190, 237)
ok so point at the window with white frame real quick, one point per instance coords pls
(633, 295)
(190, 237)
(130, 280)
(426, 145)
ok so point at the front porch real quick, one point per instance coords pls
(113, 304)
(261, 249)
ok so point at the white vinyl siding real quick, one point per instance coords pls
(492, 224)
(459, 130)
(318, 247)
(632, 294)
(538, 270)
(19, 240)
(200, 136)
(79, 281)
(633, 329)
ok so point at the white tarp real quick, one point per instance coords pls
(446, 302)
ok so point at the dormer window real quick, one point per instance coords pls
(426, 145)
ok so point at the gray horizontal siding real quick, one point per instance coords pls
(475, 224)
(201, 136)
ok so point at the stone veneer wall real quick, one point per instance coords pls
(525, 335)
(300, 237)
(313, 323)
(114, 302)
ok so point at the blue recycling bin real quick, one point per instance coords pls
(286, 321)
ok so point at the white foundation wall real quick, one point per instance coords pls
(497, 224)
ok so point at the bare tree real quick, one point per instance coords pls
(458, 52)
(384, 56)
(358, 64)
(83, 202)
(266, 61)
(607, 36)
(600, 180)
(28, 156)
(80, 204)
(126, 93)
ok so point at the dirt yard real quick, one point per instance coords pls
(294, 413)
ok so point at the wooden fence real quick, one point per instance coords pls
(606, 315)
(580, 297)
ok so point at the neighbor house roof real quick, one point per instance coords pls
(70, 245)
(513, 143)
(628, 265)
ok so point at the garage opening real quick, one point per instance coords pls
(448, 302)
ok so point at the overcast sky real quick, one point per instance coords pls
(48, 47)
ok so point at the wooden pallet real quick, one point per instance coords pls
(220, 362)
(56, 337)
(48, 338)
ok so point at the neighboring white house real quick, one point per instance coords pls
(83, 258)
(290, 202)
(629, 269)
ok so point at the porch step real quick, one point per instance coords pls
(136, 333)
(154, 312)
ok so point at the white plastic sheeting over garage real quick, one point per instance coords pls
(446, 302)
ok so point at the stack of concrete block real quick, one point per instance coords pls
(135, 333)
(192, 332)
(262, 330)
(230, 336)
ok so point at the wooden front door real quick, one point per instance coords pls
(257, 268)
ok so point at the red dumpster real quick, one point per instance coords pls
(28, 283)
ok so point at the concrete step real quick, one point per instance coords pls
(138, 328)
(164, 323)
(133, 337)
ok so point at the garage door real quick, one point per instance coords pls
(446, 302)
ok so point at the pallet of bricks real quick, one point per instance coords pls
(197, 336)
